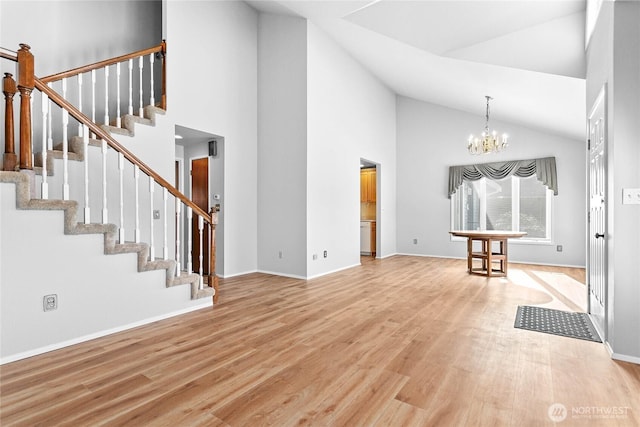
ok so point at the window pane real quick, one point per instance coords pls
(467, 206)
(499, 205)
(510, 204)
(533, 210)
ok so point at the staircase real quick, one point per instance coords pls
(57, 168)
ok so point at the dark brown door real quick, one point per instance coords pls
(200, 196)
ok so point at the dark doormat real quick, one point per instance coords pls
(557, 322)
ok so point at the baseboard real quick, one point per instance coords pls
(378, 256)
(623, 357)
(68, 343)
(431, 256)
(242, 273)
(333, 271)
(275, 273)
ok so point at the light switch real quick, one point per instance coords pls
(631, 196)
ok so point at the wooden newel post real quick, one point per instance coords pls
(10, 159)
(26, 83)
(163, 97)
(213, 278)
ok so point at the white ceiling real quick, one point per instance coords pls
(527, 54)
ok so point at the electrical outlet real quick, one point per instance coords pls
(559, 248)
(50, 302)
(325, 254)
(156, 214)
(415, 241)
(280, 254)
(631, 196)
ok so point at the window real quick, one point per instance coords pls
(521, 204)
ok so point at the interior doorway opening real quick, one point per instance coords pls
(200, 176)
(369, 208)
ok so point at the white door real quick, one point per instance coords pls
(597, 262)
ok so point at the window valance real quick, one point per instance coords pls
(545, 170)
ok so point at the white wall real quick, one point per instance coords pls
(97, 293)
(212, 86)
(68, 34)
(350, 115)
(613, 58)
(282, 145)
(431, 138)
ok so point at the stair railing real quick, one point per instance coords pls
(112, 69)
(90, 133)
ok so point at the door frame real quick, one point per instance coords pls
(601, 328)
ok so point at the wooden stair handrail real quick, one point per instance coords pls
(5, 55)
(98, 131)
(162, 48)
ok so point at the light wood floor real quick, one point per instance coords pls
(406, 341)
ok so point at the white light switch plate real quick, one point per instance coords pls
(631, 196)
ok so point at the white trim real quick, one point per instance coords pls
(333, 271)
(74, 341)
(295, 276)
(386, 256)
(180, 161)
(621, 357)
(242, 273)
(273, 273)
(625, 358)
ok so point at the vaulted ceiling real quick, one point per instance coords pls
(529, 55)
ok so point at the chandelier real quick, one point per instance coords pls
(489, 141)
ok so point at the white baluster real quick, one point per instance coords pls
(140, 67)
(50, 125)
(152, 57)
(152, 253)
(136, 175)
(45, 110)
(80, 127)
(118, 119)
(106, 95)
(178, 234)
(165, 247)
(105, 213)
(87, 209)
(131, 87)
(200, 240)
(93, 99)
(121, 178)
(189, 240)
(65, 146)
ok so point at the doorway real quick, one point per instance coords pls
(597, 225)
(369, 208)
(203, 154)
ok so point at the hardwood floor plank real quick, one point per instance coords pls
(407, 341)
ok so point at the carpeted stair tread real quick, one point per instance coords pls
(129, 121)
